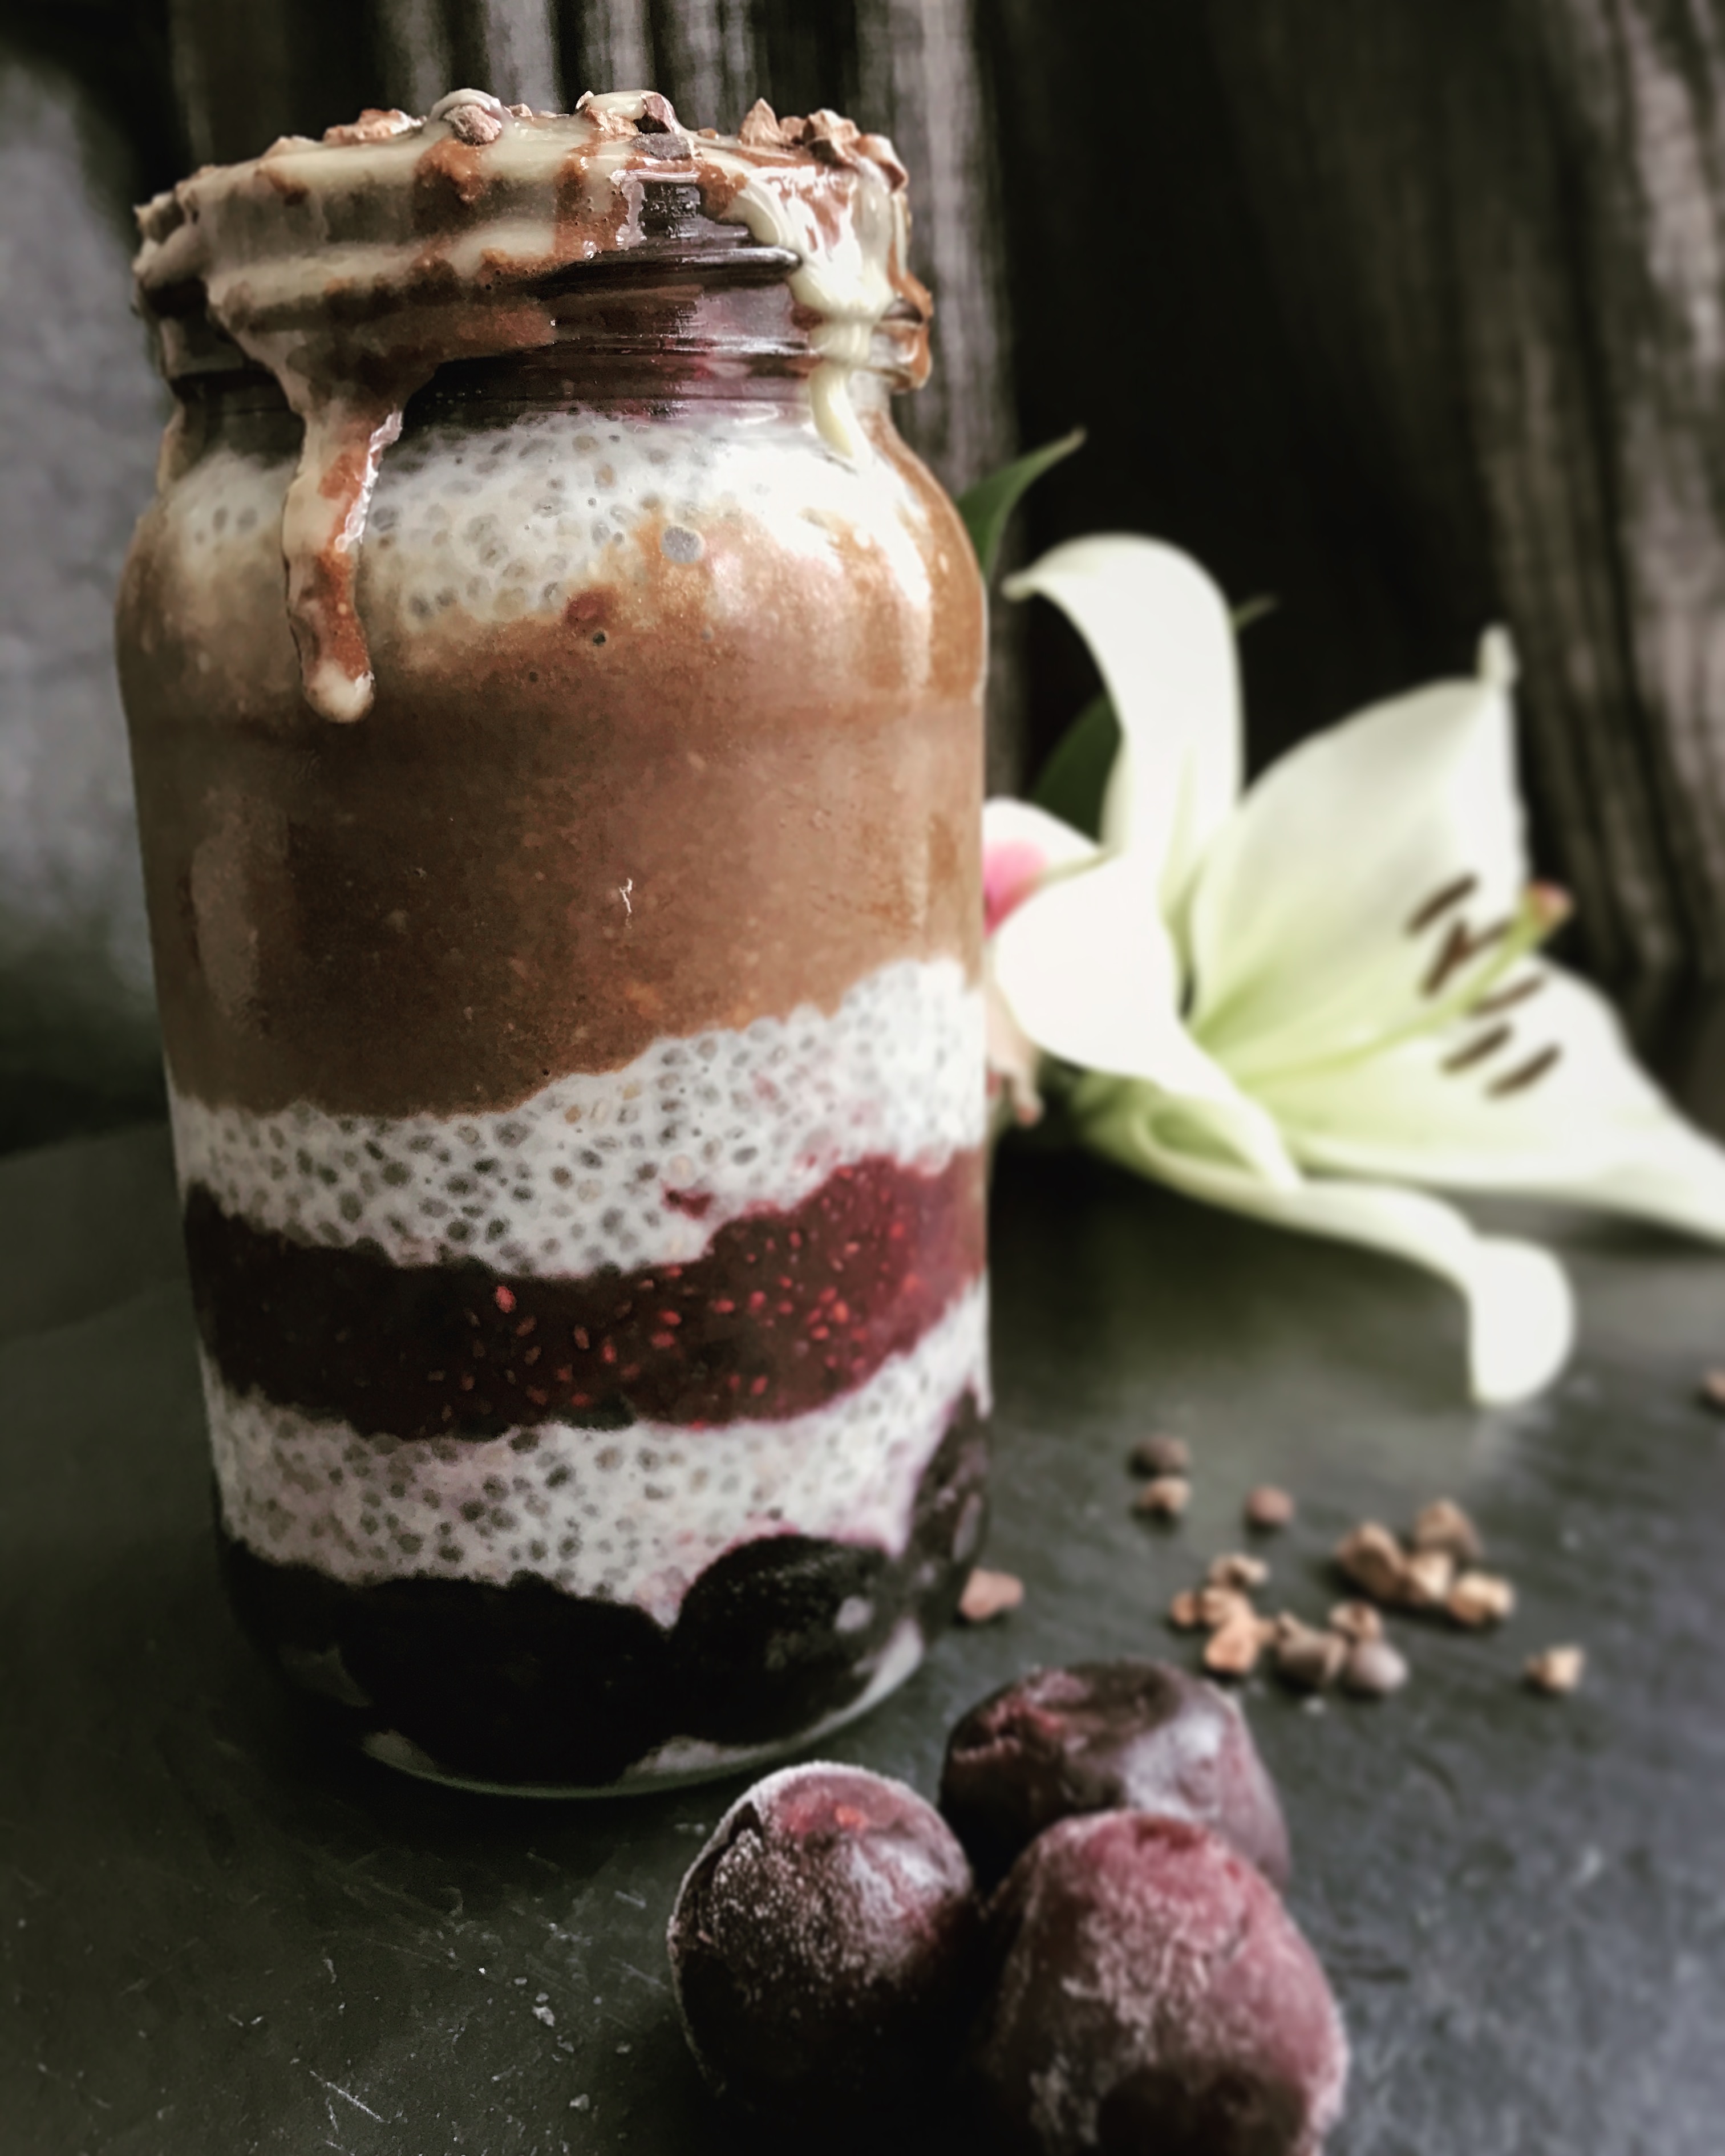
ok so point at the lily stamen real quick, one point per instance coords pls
(1542, 908)
(1508, 998)
(1553, 902)
(1442, 900)
(1476, 1050)
(1460, 947)
(1529, 1074)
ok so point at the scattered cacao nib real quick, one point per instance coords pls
(1306, 1657)
(1556, 1669)
(1356, 1620)
(1207, 1608)
(1479, 1599)
(475, 124)
(1161, 1455)
(1444, 1525)
(1164, 1497)
(375, 124)
(1235, 1569)
(1712, 1390)
(1233, 1649)
(1268, 1508)
(1374, 1559)
(832, 138)
(1427, 1577)
(761, 129)
(989, 1594)
(1373, 1669)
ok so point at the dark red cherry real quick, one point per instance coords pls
(1154, 1999)
(1105, 1736)
(822, 1948)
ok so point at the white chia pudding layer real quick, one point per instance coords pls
(629, 1168)
(628, 1515)
(514, 525)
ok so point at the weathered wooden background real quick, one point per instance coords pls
(1411, 316)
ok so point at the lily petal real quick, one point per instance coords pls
(1521, 1311)
(1538, 1091)
(1015, 1064)
(1354, 882)
(1090, 973)
(1021, 843)
(1007, 822)
(1160, 634)
(1676, 1177)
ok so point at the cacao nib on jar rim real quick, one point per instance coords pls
(555, 698)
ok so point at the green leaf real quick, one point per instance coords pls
(1071, 783)
(986, 506)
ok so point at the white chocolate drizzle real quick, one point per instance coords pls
(352, 269)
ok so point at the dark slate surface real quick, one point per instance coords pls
(216, 1938)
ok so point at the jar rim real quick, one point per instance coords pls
(353, 269)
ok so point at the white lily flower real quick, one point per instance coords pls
(1022, 845)
(1295, 1000)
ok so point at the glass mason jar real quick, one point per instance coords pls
(576, 1060)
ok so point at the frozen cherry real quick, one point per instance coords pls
(1154, 1999)
(822, 1946)
(1104, 1737)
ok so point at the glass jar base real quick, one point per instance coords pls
(526, 1688)
(677, 1764)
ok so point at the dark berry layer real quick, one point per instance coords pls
(782, 1313)
(526, 1685)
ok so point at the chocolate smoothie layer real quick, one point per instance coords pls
(607, 793)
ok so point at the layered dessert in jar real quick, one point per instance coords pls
(555, 701)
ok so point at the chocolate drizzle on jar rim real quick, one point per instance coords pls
(352, 269)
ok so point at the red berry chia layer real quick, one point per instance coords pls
(782, 1313)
